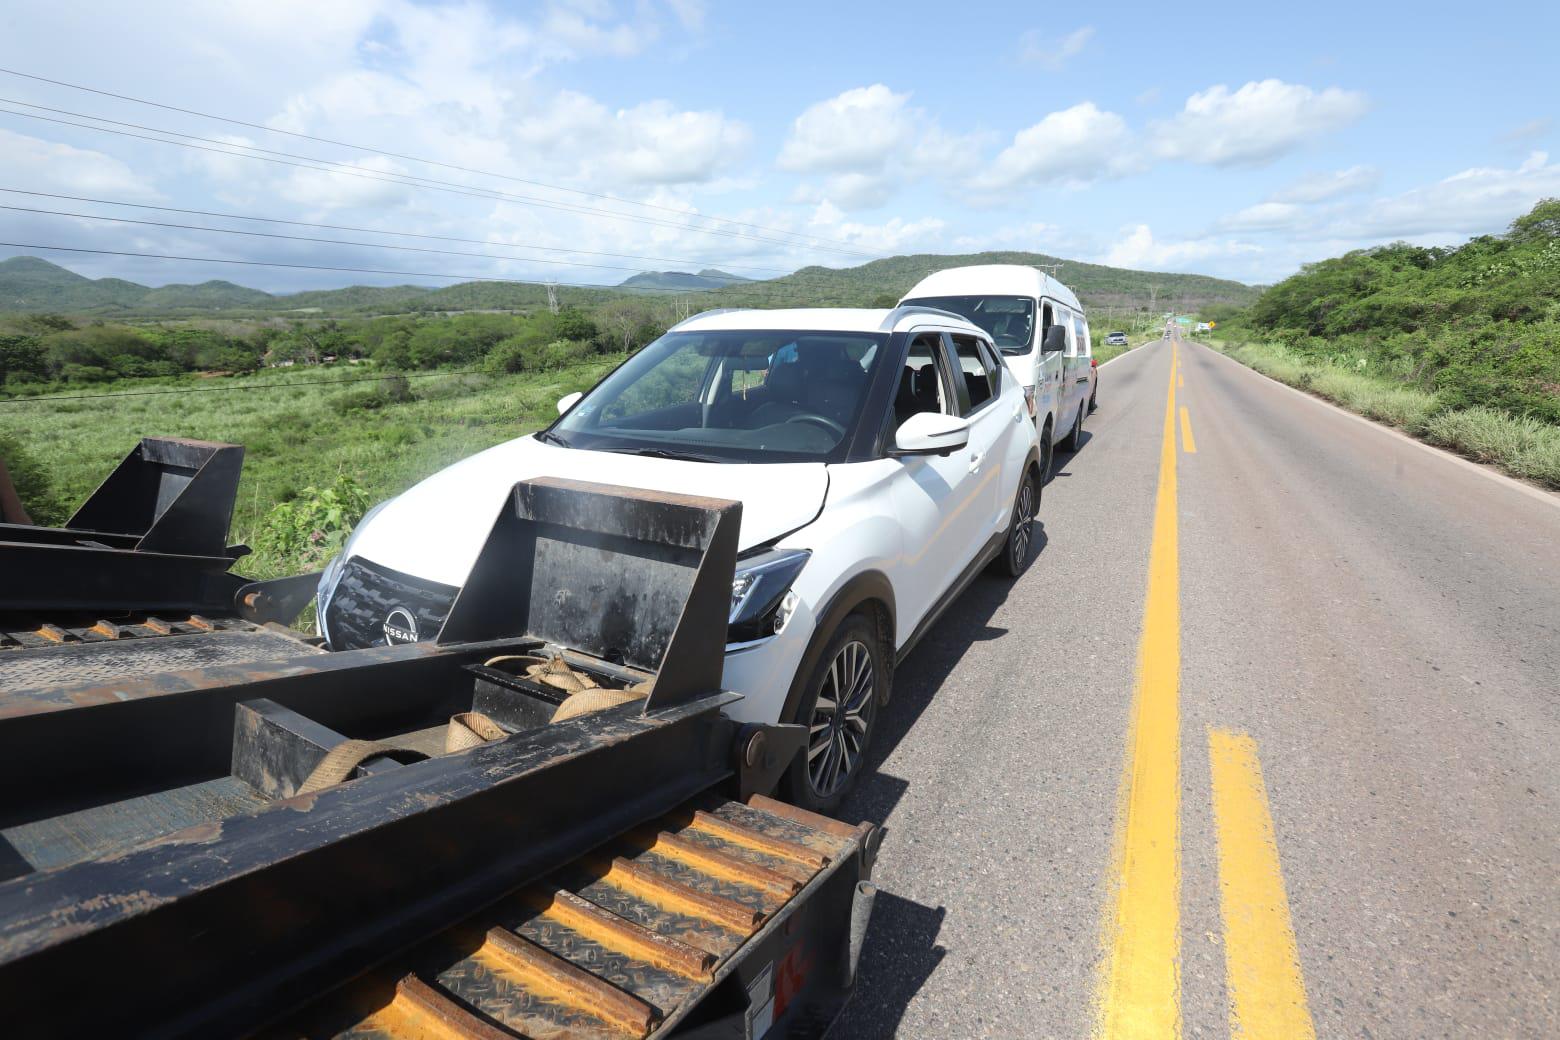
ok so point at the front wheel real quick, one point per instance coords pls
(839, 711)
(1021, 528)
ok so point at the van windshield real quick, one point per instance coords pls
(1009, 320)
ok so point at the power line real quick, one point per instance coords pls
(306, 238)
(409, 158)
(398, 234)
(729, 289)
(758, 287)
(405, 180)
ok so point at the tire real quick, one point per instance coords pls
(1074, 439)
(1047, 454)
(1020, 542)
(834, 756)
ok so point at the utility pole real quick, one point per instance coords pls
(552, 297)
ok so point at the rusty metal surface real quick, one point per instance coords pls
(611, 947)
(94, 653)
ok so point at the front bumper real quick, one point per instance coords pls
(356, 613)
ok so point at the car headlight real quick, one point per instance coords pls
(761, 597)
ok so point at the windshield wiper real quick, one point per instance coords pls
(667, 453)
(548, 437)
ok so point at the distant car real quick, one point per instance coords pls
(1115, 339)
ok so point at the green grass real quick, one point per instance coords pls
(1522, 446)
(294, 437)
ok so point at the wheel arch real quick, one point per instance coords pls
(870, 592)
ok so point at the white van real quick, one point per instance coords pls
(1019, 307)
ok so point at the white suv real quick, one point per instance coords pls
(882, 458)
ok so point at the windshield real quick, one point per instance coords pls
(1009, 320)
(731, 396)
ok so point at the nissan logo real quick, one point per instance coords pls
(400, 627)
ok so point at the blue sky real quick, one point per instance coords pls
(1234, 140)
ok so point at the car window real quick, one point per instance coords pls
(974, 370)
(739, 395)
(920, 385)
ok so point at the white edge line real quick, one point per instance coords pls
(1124, 353)
(1535, 493)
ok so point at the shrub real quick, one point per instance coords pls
(390, 389)
(33, 484)
(304, 533)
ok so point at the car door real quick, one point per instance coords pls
(1051, 372)
(993, 425)
(935, 496)
(1069, 363)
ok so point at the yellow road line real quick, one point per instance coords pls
(1188, 443)
(1140, 984)
(1180, 380)
(1261, 961)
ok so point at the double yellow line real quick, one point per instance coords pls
(1140, 984)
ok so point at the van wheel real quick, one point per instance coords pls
(1047, 451)
(1074, 439)
(1021, 528)
(839, 711)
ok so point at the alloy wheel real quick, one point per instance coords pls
(842, 714)
(1024, 522)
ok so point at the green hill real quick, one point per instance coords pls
(1096, 285)
(31, 285)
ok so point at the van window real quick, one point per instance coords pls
(1081, 330)
(1008, 320)
(974, 369)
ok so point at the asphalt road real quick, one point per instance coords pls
(1382, 621)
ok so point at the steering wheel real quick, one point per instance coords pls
(819, 420)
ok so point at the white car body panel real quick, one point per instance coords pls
(461, 502)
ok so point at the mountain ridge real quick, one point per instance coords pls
(32, 284)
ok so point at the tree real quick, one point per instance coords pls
(22, 355)
(1542, 222)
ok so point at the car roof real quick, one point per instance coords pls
(993, 280)
(823, 319)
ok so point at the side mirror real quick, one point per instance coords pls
(931, 433)
(1055, 341)
(568, 401)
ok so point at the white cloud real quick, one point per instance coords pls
(854, 131)
(1255, 124)
(1529, 131)
(40, 165)
(1072, 147)
(1264, 216)
(866, 144)
(1140, 250)
(1480, 200)
(1322, 187)
(1035, 47)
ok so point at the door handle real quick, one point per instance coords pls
(976, 458)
